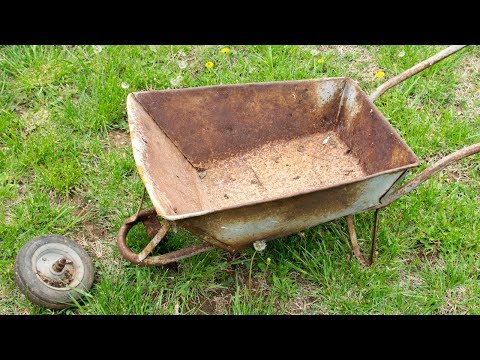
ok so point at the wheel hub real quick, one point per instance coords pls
(53, 271)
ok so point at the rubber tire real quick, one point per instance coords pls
(35, 289)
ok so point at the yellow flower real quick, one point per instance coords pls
(320, 61)
(379, 74)
(209, 65)
(225, 51)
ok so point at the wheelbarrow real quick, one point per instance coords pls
(237, 164)
(242, 164)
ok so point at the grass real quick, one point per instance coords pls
(66, 167)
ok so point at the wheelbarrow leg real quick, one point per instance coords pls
(353, 238)
(148, 217)
(374, 236)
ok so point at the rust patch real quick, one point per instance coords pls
(170, 180)
(370, 136)
(60, 282)
(179, 135)
(236, 228)
(143, 258)
(212, 123)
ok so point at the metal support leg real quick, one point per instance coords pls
(353, 238)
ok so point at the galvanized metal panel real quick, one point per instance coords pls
(241, 226)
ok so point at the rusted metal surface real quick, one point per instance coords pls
(370, 136)
(374, 236)
(415, 70)
(177, 132)
(170, 180)
(142, 258)
(59, 264)
(427, 174)
(125, 228)
(154, 242)
(353, 238)
(172, 141)
(215, 122)
(281, 169)
(174, 256)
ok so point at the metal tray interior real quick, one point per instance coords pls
(206, 149)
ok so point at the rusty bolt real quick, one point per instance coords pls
(59, 264)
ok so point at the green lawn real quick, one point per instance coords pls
(66, 167)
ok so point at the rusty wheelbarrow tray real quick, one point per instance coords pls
(236, 164)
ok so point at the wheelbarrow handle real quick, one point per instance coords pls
(427, 174)
(415, 70)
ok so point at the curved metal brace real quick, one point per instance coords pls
(148, 216)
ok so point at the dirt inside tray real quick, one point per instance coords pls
(279, 169)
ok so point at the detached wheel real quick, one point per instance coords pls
(50, 269)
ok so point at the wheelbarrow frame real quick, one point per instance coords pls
(156, 231)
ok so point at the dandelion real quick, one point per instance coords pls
(320, 61)
(259, 245)
(315, 52)
(176, 81)
(97, 49)
(379, 74)
(225, 51)
(182, 64)
(401, 54)
(124, 85)
(209, 65)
